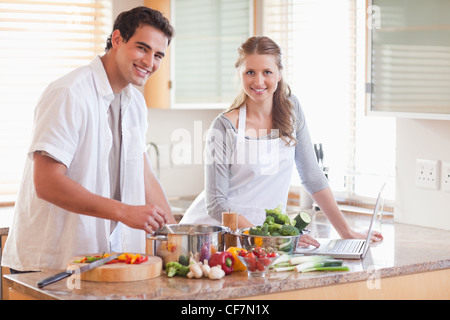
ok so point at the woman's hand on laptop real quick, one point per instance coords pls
(376, 236)
(306, 241)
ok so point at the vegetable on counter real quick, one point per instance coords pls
(176, 269)
(216, 273)
(199, 270)
(195, 270)
(183, 260)
(224, 259)
(213, 273)
(238, 265)
(128, 258)
(308, 264)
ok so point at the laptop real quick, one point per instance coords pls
(346, 248)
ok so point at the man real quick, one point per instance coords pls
(88, 185)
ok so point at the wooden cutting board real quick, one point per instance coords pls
(120, 272)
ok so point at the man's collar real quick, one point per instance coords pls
(102, 83)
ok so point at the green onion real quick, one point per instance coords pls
(281, 269)
(302, 259)
(318, 264)
(341, 268)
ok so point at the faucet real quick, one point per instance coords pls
(149, 146)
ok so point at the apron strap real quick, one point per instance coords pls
(242, 117)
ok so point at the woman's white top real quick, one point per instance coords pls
(248, 175)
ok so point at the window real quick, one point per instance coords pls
(208, 34)
(323, 42)
(40, 41)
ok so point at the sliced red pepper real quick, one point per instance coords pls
(126, 258)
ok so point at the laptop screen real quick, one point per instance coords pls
(378, 208)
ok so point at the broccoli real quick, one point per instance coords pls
(183, 271)
(183, 260)
(271, 225)
(276, 224)
(260, 230)
(174, 268)
(288, 230)
(279, 217)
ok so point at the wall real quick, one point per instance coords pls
(167, 129)
(428, 139)
(120, 5)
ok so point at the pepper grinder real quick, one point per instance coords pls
(229, 219)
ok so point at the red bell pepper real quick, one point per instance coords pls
(224, 259)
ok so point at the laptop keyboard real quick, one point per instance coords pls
(345, 246)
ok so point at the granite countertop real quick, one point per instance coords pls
(405, 250)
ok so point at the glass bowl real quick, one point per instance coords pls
(257, 267)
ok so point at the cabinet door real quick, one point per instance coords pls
(408, 72)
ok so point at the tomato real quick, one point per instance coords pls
(258, 251)
(260, 265)
(242, 252)
(250, 255)
(265, 261)
(251, 261)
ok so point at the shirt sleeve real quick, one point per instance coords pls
(309, 170)
(219, 148)
(56, 125)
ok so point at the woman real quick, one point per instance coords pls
(251, 149)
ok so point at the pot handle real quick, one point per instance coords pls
(156, 237)
(229, 231)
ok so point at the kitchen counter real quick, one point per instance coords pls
(411, 262)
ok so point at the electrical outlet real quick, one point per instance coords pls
(427, 174)
(445, 176)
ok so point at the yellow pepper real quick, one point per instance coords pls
(238, 265)
(122, 257)
(259, 241)
(132, 258)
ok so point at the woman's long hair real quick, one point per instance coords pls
(283, 109)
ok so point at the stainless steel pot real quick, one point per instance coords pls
(180, 242)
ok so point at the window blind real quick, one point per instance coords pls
(208, 34)
(39, 42)
(323, 44)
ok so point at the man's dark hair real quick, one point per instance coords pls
(127, 22)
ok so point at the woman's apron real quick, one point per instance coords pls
(260, 176)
